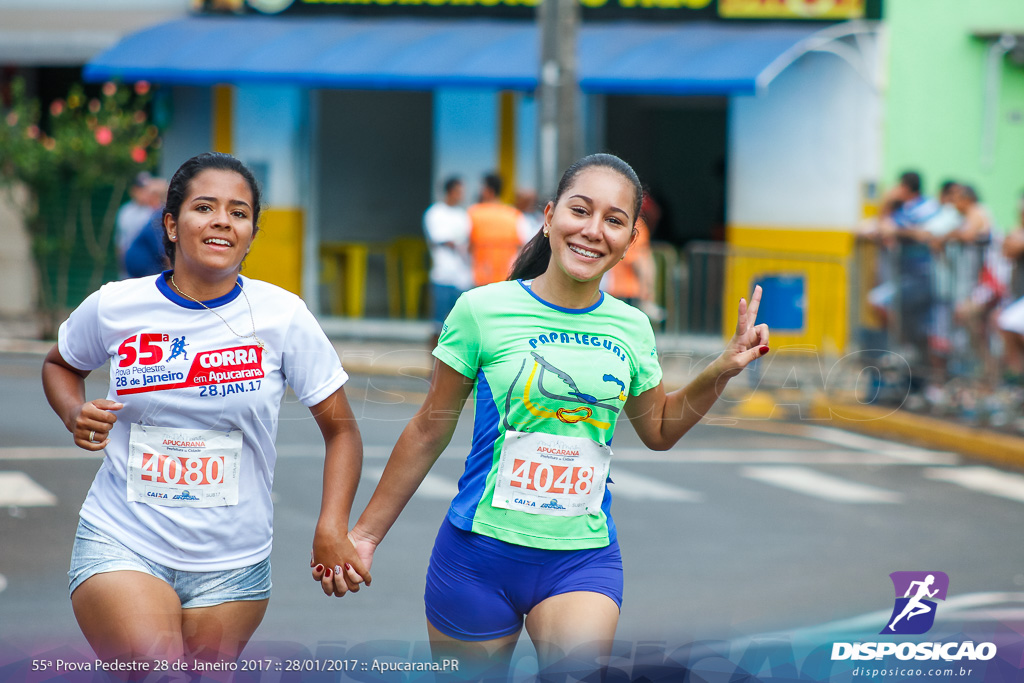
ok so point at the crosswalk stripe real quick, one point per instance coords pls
(638, 487)
(433, 486)
(18, 489)
(812, 483)
(911, 455)
(984, 479)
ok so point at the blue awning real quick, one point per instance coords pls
(423, 54)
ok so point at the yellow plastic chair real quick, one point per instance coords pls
(407, 275)
(347, 263)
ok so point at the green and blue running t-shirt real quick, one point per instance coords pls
(551, 383)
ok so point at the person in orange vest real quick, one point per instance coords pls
(494, 233)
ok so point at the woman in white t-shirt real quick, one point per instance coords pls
(172, 554)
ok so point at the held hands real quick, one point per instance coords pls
(340, 562)
(748, 344)
(91, 424)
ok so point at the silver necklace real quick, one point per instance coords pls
(251, 318)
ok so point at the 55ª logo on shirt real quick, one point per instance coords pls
(156, 362)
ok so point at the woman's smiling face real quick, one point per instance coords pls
(591, 226)
(214, 228)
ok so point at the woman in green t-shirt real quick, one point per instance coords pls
(554, 361)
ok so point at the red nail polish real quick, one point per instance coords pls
(328, 573)
(319, 567)
(348, 567)
(764, 350)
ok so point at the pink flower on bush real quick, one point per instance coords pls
(32, 132)
(49, 143)
(140, 117)
(142, 87)
(138, 155)
(109, 89)
(57, 107)
(12, 119)
(104, 136)
(94, 105)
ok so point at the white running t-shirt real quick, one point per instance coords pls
(187, 476)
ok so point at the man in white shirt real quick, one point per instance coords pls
(446, 227)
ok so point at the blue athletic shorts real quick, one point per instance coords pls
(480, 588)
(95, 552)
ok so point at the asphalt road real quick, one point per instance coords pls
(744, 528)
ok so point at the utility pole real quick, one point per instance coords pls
(559, 91)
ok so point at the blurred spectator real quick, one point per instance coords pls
(446, 228)
(145, 254)
(494, 234)
(1010, 321)
(979, 272)
(947, 218)
(134, 215)
(632, 279)
(532, 216)
(901, 226)
(650, 211)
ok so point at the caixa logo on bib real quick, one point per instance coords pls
(916, 595)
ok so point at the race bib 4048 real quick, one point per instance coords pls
(545, 474)
(155, 362)
(183, 467)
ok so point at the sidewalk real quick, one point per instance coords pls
(791, 383)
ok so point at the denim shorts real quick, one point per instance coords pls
(96, 552)
(480, 588)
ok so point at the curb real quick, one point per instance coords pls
(929, 432)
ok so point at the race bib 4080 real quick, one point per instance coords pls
(183, 467)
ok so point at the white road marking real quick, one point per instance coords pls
(17, 489)
(433, 486)
(48, 453)
(954, 609)
(828, 487)
(910, 454)
(719, 456)
(638, 487)
(3, 583)
(984, 479)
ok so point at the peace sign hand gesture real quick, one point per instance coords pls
(750, 341)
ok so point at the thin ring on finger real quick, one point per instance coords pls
(92, 436)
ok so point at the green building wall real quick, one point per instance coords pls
(935, 109)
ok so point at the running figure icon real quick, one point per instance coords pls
(178, 348)
(914, 606)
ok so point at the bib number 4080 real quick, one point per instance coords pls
(186, 470)
(536, 476)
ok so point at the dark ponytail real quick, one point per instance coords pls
(534, 256)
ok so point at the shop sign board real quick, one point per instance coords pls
(673, 10)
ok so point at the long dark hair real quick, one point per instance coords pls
(178, 189)
(534, 257)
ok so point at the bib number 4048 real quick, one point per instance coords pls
(544, 478)
(182, 469)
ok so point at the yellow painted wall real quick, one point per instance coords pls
(822, 257)
(276, 254)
